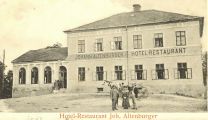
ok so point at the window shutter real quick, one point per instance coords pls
(112, 45)
(189, 71)
(133, 75)
(176, 73)
(123, 75)
(78, 76)
(153, 74)
(139, 43)
(120, 47)
(104, 75)
(115, 77)
(144, 75)
(166, 74)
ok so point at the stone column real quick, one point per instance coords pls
(52, 72)
(28, 74)
(41, 74)
(56, 71)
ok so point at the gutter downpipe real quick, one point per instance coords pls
(127, 55)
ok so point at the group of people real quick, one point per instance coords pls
(58, 84)
(125, 92)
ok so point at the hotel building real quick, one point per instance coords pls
(161, 50)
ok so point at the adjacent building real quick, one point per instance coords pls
(161, 50)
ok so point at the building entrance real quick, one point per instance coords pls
(63, 76)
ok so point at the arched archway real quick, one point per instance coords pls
(22, 76)
(47, 75)
(63, 76)
(34, 75)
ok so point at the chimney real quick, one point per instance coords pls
(137, 7)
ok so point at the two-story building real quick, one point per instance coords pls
(161, 50)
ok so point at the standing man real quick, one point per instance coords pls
(113, 95)
(132, 96)
(135, 91)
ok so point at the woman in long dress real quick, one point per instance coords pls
(125, 96)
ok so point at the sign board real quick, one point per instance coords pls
(154, 52)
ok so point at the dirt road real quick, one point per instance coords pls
(102, 103)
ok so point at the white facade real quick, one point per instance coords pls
(85, 63)
(190, 53)
(42, 87)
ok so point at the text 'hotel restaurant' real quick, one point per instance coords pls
(161, 50)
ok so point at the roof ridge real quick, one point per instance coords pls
(103, 19)
(175, 13)
(43, 54)
(95, 21)
(143, 17)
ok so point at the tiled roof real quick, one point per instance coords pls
(46, 54)
(144, 17)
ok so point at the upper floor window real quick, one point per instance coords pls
(180, 38)
(117, 43)
(137, 41)
(81, 73)
(22, 76)
(81, 46)
(34, 75)
(158, 39)
(99, 45)
(47, 75)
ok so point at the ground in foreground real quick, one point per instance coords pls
(101, 103)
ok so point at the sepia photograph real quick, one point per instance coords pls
(79, 57)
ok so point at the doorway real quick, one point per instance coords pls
(63, 76)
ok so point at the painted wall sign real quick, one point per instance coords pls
(102, 55)
(138, 53)
(151, 52)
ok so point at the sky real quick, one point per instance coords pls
(33, 24)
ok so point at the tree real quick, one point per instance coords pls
(1, 78)
(204, 69)
(8, 80)
(56, 45)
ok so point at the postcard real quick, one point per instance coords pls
(103, 59)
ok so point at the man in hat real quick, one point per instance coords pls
(114, 95)
(132, 96)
